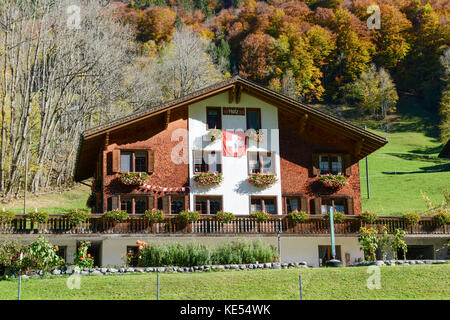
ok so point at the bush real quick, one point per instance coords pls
(38, 216)
(225, 217)
(193, 254)
(338, 217)
(189, 216)
(369, 217)
(41, 255)
(260, 216)
(83, 259)
(116, 215)
(10, 256)
(6, 216)
(154, 215)
(442, 218)
(298, 216)
(411, 218)
(76, 216)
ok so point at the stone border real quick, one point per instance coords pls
(128, 270)
(398, 263)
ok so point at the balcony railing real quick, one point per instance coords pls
(207, 224)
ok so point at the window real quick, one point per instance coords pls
(208, 205)
(213, 118)
(176, 204)
(62, 252)
(337, 205)
(254, 119)
(205, 161)
(260, 162)
(133, 205)
(329, 163)
(266, 204)
(325, 254)
(131, 161)
(133, 256)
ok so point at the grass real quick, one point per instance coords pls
(399, 282)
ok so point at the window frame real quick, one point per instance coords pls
(208, 198)
(333, 199)
(219, 118)
(286, 197)
(272, 156)
(329, 155)
(172, 197)
(259, 117)
(263, 203)
(133, 202)
(219, 156)
(133, 159)
(338, 248)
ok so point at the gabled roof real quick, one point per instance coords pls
(92, 139)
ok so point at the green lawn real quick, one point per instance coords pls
(399, 282)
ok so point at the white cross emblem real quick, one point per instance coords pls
(235, 143)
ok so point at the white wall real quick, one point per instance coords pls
(234, 188)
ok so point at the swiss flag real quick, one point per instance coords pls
(234, 143)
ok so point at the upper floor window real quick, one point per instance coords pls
(329, 163)
(261, 162)
(213, 118)
(133, 161)
(264, 204)
(253, 119)
(205, 161)
(335, 205)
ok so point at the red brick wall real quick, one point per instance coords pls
(150, 133)
(296, 160)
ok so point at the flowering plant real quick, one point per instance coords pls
(116, 215)
(154, 215)
(215, 134)
(338, 217)
(411, 218)
(333, 181)
(298, 216)
(225, 217)
(76, 216)
(369, 242)
(189, 216)
(260, 216)
(83, 259)
(442, 217)
(369, 217)
(6, 216)
(38, 216)
(208, 178)
(133, 178)
(255, 135)
(262, 179)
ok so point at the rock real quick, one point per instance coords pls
(303, 263)
(161, 269)
(25, 276)
(242, 267)
(122, 270)
(34, 276)
(267, 265)
(103, 270)
(84, 273)
(130, 270)
(428, 261)
(97, 273)
(419, 262)
(284, 265)
(56, 272)
(220, 267)
(148, 269)
(276, 266)
(112, 270)
(379, 263)
(69, 270)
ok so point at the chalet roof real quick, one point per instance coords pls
(93, 139)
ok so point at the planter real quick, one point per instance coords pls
(262, 180)
(333, 182)
(120, 227)
(208, 179)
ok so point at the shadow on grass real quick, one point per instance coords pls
(420, 157)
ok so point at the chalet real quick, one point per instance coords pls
(242, 132)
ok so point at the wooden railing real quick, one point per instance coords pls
(207, 224)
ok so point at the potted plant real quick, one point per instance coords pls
(76, 216)
(154, 216)
(187, 218)
(214, 135)
(117, 218)
(297, 218)
(225, 218)
(262, 180)
(260, 217)
(133, 178)
(369, 217)
(255, 135)
(334, 182)
(38, 219)
(6, 216)
(411, 218)
(442, 217)
(206, 179)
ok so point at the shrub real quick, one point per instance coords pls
(398, 243)
(10, 256)
(260, 216)
(76, 216)
(208, 178)
(237, 252)
(38, 216)
(116, 215)
(154, 215)
(369, 242)
(189, 216)
(333, 181)
(83, 259)
(442, 217)
(298, 216)
(262, 179)
(338, 217)
(133, 178)
(411, 218)
(369, 217)
(225, 217)
(6, 216)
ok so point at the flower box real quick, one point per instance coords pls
(334, 182)
(205, 179)
(133, 178)
(262, 180)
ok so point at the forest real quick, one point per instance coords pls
(66, 66)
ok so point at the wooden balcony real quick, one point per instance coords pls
(207, 225)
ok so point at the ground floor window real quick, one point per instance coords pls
(132, 256)
(133, 205)
(325, 254)
(208, 205)
(62, 252)
(176, 204)
(417, 252)
(265, 204)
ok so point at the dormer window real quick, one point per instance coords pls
(330, 164)
(131, 161)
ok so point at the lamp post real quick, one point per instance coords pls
(279, 243)
(333, 262)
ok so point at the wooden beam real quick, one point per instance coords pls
(358, 147)
(302, 124)
(106, 142)
(238, 94)
(166, 124)
(231, 93)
